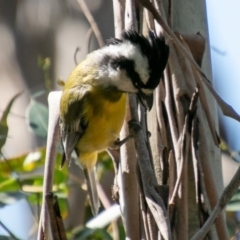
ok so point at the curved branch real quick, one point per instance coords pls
(51, 152)
(92, 22)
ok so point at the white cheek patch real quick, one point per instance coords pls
(131, 52)
(108, 76)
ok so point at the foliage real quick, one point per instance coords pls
(3, 122)
(37, 118)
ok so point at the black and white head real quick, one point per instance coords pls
(134, 64)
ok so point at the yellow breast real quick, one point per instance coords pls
(105, 116)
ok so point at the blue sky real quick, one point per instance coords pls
(224, 22)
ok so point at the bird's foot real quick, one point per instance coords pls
(134, 127)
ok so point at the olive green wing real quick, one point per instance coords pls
(72, 120)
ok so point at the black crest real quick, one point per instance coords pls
(156, 51)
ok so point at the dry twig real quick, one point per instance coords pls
(226, 196)
(56, 223)
(92, 22)
(184, 142)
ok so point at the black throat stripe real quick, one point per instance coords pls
(128, 66)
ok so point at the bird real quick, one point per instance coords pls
(94, 97)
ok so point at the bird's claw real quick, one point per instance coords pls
(134, 127)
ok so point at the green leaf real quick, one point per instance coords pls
(35, 198)
(9, 184)
(37, 118)
(22, 163)
(3, 121)
(29, 169)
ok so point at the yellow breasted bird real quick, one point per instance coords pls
(93, 102)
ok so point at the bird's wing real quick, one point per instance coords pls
(72, 122)
(69, 140)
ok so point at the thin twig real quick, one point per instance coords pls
(171, 183)
(87, 42)
(59, 219)
(52, 217)
(152, 227)
(118, 9)
(56, 223)
(169, 108)
(226, 196)
(185, 143)
(155, 142)
(130, 15)
(159, 7)
(149, 19)
(143, 206)
(199, 175)
(227, 110)
(75, 55)
(160, 93)
(92, 22)
(170, 13)
(8, 231)
(88, 39)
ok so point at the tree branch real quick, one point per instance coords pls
(226, 196)
(92, 22)
(226, 108)
(51, 152)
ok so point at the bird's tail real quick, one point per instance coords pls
(92, 189)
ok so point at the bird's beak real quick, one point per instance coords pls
(146, 99)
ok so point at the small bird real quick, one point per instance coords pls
(93, 102)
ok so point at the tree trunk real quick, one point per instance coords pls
(184, 144)
(190, 17)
